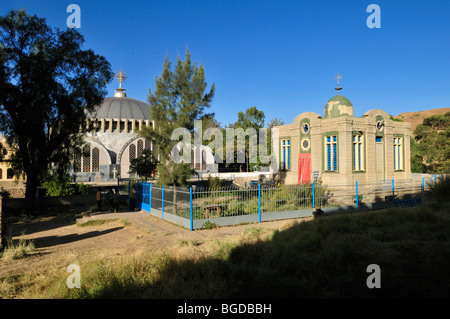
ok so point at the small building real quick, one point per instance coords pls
(340, 148)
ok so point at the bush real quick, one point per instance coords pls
(440, 191)
(60, 185)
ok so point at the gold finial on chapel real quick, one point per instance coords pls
(338, 79)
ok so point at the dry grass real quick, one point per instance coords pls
(325, 257)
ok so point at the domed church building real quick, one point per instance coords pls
(340, 148)
(114, 141)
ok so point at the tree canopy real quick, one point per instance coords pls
(47, 84)
(430, 149)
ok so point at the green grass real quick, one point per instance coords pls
(323, 258)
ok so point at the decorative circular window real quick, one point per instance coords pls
(305, 144)
(305, 128)
(380, 125)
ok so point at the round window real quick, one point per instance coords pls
(305, 144)
(305, 128)
(380, 125)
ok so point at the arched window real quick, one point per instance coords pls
(86, 158)
(1, 174)
(132, 151)
(95, 160)
(147, 145)
(77, 161)
(197, 158)
(203, 160)
(9, 173)
(140, 147)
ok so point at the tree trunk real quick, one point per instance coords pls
(30, 192)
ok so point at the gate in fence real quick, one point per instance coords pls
(143, 198)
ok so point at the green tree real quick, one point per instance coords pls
(47, 84)
(430, 152)
(252, 118)
(145, 164)
(180, 97)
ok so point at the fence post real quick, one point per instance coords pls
(150, 199)
(313, 199)
(357, 198)
(190, 200)
(259, 201)
(162, 202)
(393, 193)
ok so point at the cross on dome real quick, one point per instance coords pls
(120, 92)
(338, 78)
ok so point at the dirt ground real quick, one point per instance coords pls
(59, 240)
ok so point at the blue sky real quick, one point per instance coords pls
(280, 56)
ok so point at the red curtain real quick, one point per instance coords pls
(304, 168)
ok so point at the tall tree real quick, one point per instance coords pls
(180, 97)
(47, 84)
(252, 118)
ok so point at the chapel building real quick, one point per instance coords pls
(340, 148)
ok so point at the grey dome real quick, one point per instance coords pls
(122, 108)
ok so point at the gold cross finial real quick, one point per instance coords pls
(338, 78)
(120, 77)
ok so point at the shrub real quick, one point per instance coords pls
(60, 185)
(440, 190)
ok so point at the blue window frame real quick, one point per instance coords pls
(331, 153)
(286, 154)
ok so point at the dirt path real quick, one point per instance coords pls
(58, 240)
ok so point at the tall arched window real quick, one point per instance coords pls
(95, 160)
(1, 173)
(77, 161)
(9, 173)
(86, 158)
(203, 160)
(140, 147)
(132, 151)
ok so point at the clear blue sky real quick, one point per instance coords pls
(280, 56)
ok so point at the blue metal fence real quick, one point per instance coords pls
(198, 204)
